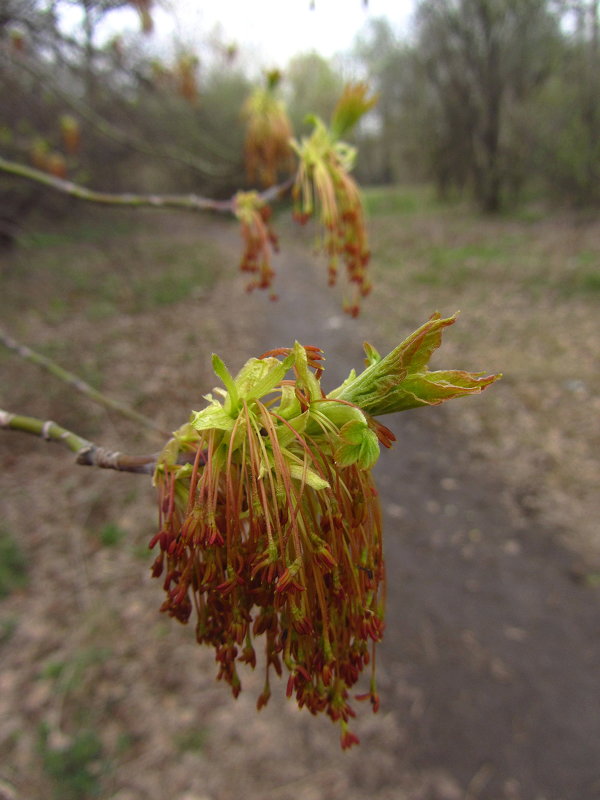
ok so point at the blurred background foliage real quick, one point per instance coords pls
(496, 101)
(491, 103)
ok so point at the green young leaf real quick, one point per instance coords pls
(346, 454)
(257, 377)
(169, 453)
(353, 432)
(372, 355)
(402, 379)
(299, 472)
(289, 406)
(253, 371)
(336, 392)
(351, 106)
(273, 374)
(223, 373)
(433, 388)
(296, 425)
(213, 416)
(306, 379)
(369, 450)
(359, 444)
(338, 413)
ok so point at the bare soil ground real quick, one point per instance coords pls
(489, 670)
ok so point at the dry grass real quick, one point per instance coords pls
(100, 696)
(529, 294)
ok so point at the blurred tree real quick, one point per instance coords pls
(273, 498)
(568, 112)
(385, 58)
(479, 62)
(62, 85)
(93, 12)
(313, 86)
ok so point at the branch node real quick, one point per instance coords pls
(5, 418)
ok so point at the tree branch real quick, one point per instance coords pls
(192, 202)
(88, 454)
(110, 131)
(189, 202)
(77, 383)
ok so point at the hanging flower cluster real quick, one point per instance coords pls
(71, 133)
(269, 519)
(44, 158)
(324, 186)
(259, 239)
(268, 133)
(186, 76)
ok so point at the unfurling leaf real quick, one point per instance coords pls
(402, 379)
(350, 108)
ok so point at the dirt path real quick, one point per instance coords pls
(489, 668)
(491, 659)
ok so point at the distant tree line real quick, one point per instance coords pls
(489, 99)
(108, 113)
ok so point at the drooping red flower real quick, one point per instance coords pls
(258, 237)
(324, 187)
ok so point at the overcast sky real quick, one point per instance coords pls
(274, 30)
(280, 28)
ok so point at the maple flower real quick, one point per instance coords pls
(268, 133)
(259, 239)
(324, 186)
(269, 520)
(39, 152)
(186, 76)
(71, 133)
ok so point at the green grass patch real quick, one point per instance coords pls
(191, 740)
(76, 769)
(52, 670)
(102, 270)
(70, 674)
(102, 291)
(175, 284)
(86, 232)
(8, 625)
(456, 266)
(588, 283)
(384, 200)
(142, 551)
(585, 278)
(13, 565)
(592, 579)
(111, 535)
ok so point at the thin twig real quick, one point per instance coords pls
(192, 202)
(189, 202)
(88, 454)
(77, 383)
(110, 131)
